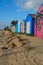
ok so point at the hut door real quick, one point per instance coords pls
(28, 27)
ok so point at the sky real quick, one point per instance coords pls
(17, 10)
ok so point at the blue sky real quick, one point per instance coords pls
(16, 10)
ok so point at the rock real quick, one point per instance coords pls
(1, 52)
(17, 42)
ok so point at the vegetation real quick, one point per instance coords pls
(7, 28)
(14, 22)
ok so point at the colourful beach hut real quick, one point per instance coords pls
(12, 28)
(30, 24)
(23, 26)
(39, 23)
(18, 27)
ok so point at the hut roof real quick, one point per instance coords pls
(32, 15)
(41, 4)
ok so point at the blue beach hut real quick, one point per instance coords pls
(30, 24)
(18, 27)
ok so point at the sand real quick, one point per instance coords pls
(30, 52)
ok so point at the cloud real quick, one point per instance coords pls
(29, 4)
(32, 4)
(24, 5)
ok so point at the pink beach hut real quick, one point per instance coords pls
(23, 26)
(39, 23)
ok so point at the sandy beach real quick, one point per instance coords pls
(20, 49)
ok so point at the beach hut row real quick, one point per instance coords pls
(33, 24)
(27, 25)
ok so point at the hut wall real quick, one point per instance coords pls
(13, 29)
(39, 23)
(32, 26)
(29, 25)
(18, 27)
(23, 27)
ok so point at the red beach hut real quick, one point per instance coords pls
(39, 23)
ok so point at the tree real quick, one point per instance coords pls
(14, 22)
(7, 28)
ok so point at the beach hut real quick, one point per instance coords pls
(18, 27)
(23, 26)
(39, 23)
(30, 24)
(12, 28)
